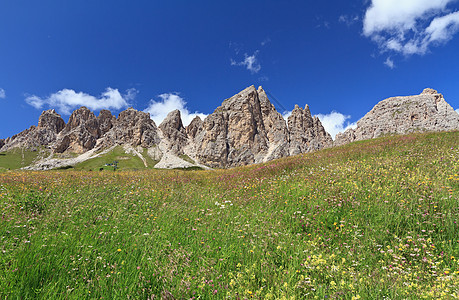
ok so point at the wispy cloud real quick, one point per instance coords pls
(2, 93)
(335, 122)
(263, 78)
(250, 62)
(348, 20)
(66, 100)
(266, 41)
(410, 26)
(168, 102)
(389, 63)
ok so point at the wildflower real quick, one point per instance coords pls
(119, 250)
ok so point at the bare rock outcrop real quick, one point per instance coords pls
(247, 129)
(174, 132)
(80, 134)
(234, 133)
(134, 128)
(50, 124)
(275, 127)
(195, 127)
(51, 120)
(401, 115)
(306, 132)
(106, 121)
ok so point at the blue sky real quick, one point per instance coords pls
(337, 56)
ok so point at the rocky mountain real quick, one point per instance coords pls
(50, 124)
(306, 132)
(400, 115)
(245, 129)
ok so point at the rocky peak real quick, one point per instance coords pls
(300, 119)
(306, 133)
(173, 130)
(51, 120)
(173, 121)
(234, 133)
(194, 127)
(49, 125)
(275, 127)
(401, 115)
(83, 117)
(429, 91)
(132, 127)
(131, 116)
(106, 121)
(80, 134)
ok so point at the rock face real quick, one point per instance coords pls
(306, 132)
(134, 128)
(400, 115)
(52, 121)
(80, 134)
(245, 129)
(194, 128)
(234, 134)
(276, 129)
(173, 130)
(50, 124)
(106, 121)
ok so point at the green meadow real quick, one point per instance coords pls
(375, 219)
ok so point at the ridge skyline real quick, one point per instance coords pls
(333, 122)
(245, 129)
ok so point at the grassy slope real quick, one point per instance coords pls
(17, 158)
(374, 219)
(125, 161)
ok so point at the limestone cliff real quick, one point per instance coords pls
(401, 115)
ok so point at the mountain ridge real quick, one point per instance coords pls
(245, 129)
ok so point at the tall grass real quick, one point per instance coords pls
(371, 220)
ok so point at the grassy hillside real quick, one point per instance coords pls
(371, 220)
(17, 158)
(125, 161)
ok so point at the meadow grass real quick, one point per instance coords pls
(125, 161)
(17, 158)
(371, 220)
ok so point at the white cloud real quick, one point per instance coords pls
(286, 114)
(66, 100)
(2, 94)
(250, 62)
(335, 122)
(410, 26)
(457, 110)
(441, 29)
(390, 63)
(159, 109)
